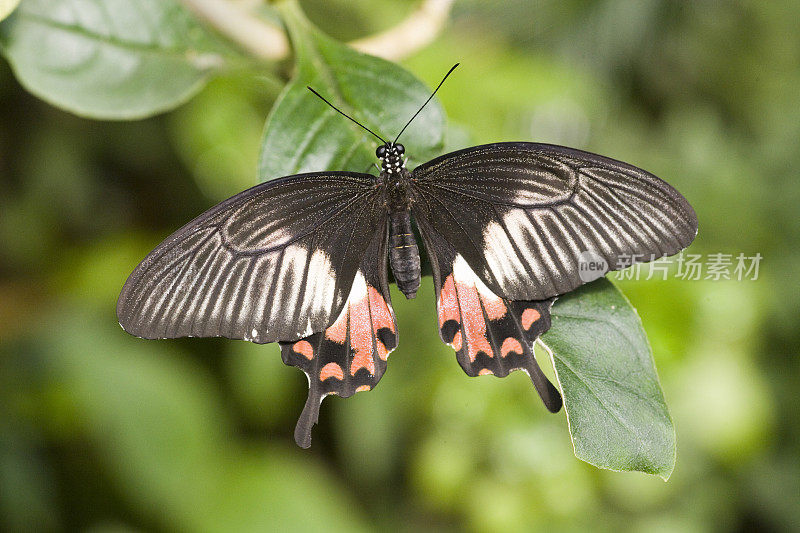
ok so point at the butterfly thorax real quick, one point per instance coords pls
(396, 187)
(403, 249)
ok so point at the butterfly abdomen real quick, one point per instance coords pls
(404, 253)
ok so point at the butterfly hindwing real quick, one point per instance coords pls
(275, 262)
(523, 214)
(350, 355)
(491, 335)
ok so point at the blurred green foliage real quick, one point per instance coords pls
(111, 59)
(303, 134)
(101, 431)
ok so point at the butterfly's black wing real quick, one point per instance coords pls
(273, 263)
(300, 260)
(522, 214)
(350, 355)
(505, 226)
(491, 335)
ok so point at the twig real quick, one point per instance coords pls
(266, 41)
(414, 33)
(257, 37)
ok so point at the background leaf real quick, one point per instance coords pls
(615, 407)
(6, 7)
(110, 59)
(380, 94)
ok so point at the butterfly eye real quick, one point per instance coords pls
(400, 149)
(380, 151)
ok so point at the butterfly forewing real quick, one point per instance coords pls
(275, 262)
(523, 215)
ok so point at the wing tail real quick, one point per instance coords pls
(308, 418)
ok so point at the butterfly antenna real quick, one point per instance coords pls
(426, 102)
(345, 115)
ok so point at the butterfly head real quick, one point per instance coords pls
(391, 156)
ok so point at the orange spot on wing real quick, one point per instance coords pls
(510, 345)
(448, 302)
(456, 344)
(338, 331)
(361, 336)
(474, 324)
(495, 307)
(362, 318)
(381, 314)
(331, 370)
(485, 372)
(529, 316)
(304, 348)
(363, 388)
(383, 353)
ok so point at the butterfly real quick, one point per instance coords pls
(302, 260)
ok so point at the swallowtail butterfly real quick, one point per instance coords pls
(302, 260)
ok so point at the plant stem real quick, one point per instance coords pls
(414, 33)
(257, 37)
(268, 42)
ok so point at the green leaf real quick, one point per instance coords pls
(6, 7)
(617, 415)
(110, 59)
(303, 134)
